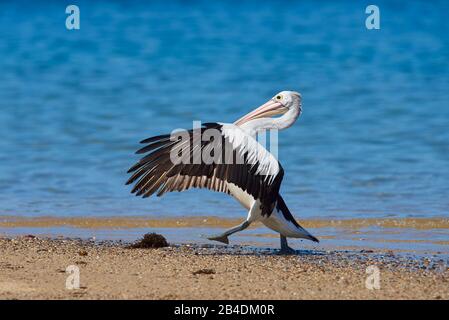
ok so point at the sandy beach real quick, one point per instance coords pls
(35, 268)
(322, 121)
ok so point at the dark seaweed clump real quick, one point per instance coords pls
(204, 271)
(150, 240)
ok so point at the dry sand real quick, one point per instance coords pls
(32, 268)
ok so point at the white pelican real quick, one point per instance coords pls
(254, 180)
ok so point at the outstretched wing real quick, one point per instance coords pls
(228, 156)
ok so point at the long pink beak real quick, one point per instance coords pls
(268, 109)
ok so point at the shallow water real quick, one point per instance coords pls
(373, 140)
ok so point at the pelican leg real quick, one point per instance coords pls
(285, 249)
(224, 236)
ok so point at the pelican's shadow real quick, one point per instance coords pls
(245, 250)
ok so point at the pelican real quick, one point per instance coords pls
(249, 172)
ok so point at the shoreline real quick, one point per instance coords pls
(34, 268)
(107, 222)
(414, 236)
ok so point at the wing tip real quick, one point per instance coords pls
(130, 170)
(313, 238)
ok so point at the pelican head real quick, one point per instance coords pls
(280, 104)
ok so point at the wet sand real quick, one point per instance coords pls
(34, 268)
(417, 236)
(211, 222)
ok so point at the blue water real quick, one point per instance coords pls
(373, 140)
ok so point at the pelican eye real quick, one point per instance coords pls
(278, 97)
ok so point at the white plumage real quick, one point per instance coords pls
(253, 180)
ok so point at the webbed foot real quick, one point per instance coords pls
(287, 251)
(219, 238)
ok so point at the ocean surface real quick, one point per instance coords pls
(373, 139)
